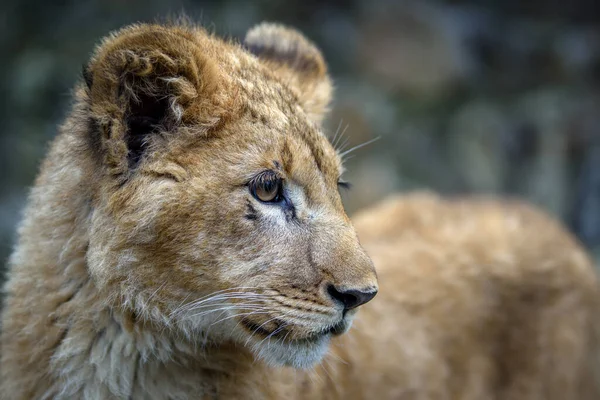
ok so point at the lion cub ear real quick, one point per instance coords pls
(148, 80)
(297, 61)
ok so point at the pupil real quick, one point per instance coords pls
(270, 187)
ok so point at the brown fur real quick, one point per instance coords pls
(479, 299)
(146, 269)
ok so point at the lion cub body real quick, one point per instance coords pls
(479, 299)
(148, 268)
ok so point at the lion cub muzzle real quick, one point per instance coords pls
(348, 275)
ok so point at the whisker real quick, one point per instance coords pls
(278, 329)
(339, 140)
(233, 289)
(337, 357)
(343, 145)
(264, 323)
(257, 311)
(205, 302)
(285, 337)
(333, 381)
(226, 291)
(250, 302)
(336, 132)
(229, 307)
(346, 159)
(218, 296)
(359, 146)
(275, 332)
(315, 377)
(156, 291)
(180, 305)
(238, 315)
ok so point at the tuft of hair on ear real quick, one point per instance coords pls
(148, 79)
(297, 61)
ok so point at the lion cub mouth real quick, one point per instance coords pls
(286, 332)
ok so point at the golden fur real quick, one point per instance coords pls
(147, 269)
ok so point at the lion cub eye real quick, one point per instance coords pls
(266, 187)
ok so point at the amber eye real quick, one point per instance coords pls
(266, 187)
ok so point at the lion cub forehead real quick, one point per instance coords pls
(307, 157)
(288, 150)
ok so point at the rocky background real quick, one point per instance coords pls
(494, 96)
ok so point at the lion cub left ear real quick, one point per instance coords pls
(297, 61)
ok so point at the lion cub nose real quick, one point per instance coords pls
(351, 298)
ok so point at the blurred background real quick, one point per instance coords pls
(494, 96)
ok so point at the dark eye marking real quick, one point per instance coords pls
(251, 212)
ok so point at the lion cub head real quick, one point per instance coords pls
(216, 210)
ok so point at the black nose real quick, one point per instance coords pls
(351, 298)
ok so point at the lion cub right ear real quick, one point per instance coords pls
(297, 61)
(147, 80)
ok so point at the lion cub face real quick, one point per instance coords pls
(216, 209)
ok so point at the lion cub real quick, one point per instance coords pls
(185, 239)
